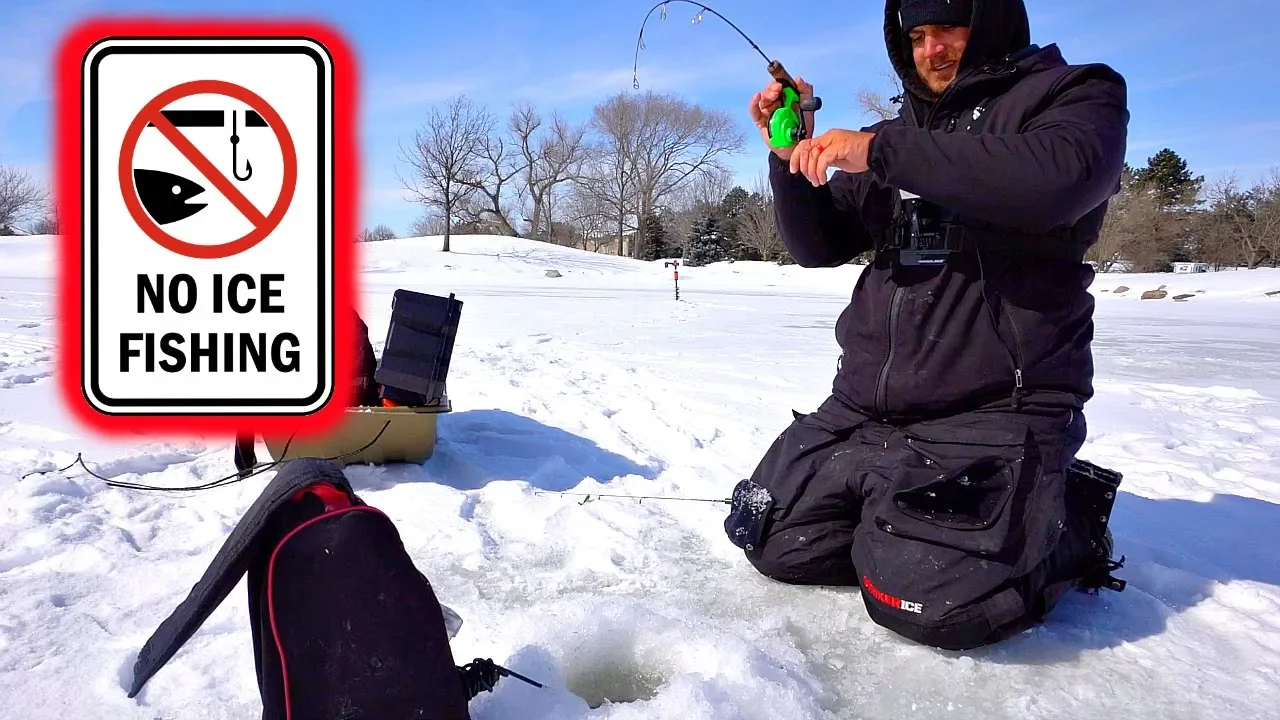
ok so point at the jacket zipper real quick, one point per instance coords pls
(882, 383)
(1017, 360)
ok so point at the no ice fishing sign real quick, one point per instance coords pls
(210, 167)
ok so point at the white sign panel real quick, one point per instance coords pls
(208, 282)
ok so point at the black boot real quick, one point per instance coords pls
(1091, 497)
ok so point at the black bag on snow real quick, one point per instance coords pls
(344, 625)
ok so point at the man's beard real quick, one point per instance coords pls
(938, 83)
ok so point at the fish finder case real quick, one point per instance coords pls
(419, 346)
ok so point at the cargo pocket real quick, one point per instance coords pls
(963, 492)
(943, 534)
(931, 593)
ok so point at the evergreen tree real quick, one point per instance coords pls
(706, 242)
(1167, 174)
(732, 207)
(656, 244)
(1168, 236)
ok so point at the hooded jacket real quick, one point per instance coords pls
(1008, 323)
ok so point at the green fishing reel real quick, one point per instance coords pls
(786, 124)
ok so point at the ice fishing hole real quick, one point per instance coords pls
(614, 680)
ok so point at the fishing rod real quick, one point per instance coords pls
(786, 124)
(591, 497)
(750, 509)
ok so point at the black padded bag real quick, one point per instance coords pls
(344, 625)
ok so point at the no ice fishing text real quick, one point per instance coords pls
(240, 352)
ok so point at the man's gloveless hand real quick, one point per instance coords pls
(841, 149)
(769, 99)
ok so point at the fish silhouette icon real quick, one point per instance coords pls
(164, 195)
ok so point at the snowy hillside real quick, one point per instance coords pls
(598, 380)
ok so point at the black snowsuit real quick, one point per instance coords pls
(934, 475)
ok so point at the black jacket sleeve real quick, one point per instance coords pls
(821, 226)
(1065, 162)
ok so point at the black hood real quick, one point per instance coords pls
(998, 28)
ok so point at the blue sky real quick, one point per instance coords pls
(1201, 74)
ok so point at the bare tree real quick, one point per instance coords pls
(21, 197)
(656, 144)
(427, 225)
(705, 188)
(1267, 210)
(1140, 230)
(47, 225)
(757, 229)
(1244, 217)
(678, 142)
(1118, 225)
(377, 234)
(50, 223)
(443, 159)
(1153, 234)
(549, 157)
(589, 214)
(498, 165)
(610, 175)
(470, 217)
(877, 104)
(692, 202)
(1215, 242)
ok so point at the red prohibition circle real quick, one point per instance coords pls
(151, 113)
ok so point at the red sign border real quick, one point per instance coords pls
(130, 192)
(68, 153)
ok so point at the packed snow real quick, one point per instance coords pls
(600, 381)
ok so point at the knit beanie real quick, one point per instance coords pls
(915, 13)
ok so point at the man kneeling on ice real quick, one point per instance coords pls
(939, 474)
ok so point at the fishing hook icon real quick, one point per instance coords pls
(235, 165)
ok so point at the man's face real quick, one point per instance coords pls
(937, 50)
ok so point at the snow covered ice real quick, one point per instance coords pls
(599, 381)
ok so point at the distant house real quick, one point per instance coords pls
(1190, 267)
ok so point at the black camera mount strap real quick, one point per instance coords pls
(959, 235)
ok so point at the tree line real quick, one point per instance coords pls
(25, 204)
(645, 176)
(1164, 214)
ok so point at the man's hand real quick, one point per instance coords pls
(842, 149)
(766, 101)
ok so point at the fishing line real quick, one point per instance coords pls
(786, 125)
(212, 484)
(591, 497)
(635, 80)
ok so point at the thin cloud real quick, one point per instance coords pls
(387, 196)
(1177, 80)
(1242, 167)
(1239, 132)
(396, 93)
(699, 73)
(1164, 141)
(28, 40)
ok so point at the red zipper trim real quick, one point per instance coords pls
(271, 604)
